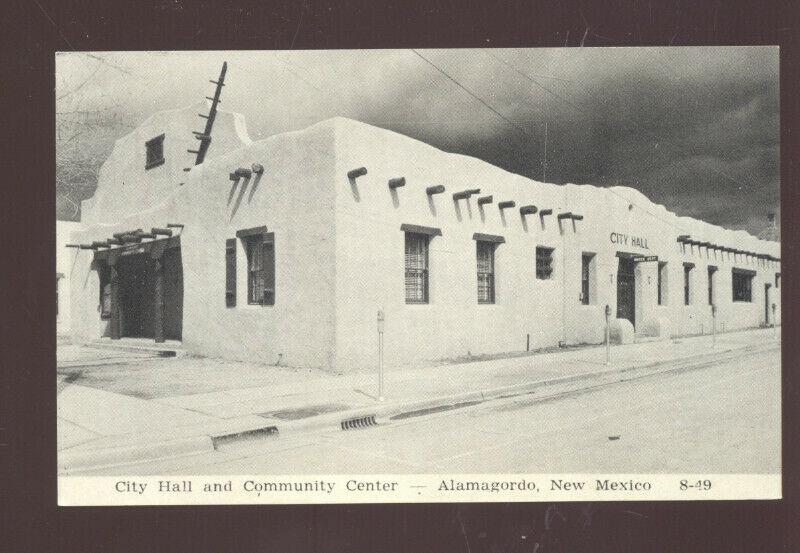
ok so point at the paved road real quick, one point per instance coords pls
(719, 419)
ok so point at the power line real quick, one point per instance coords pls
(475, 96)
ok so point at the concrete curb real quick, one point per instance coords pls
(84, 459)
(385, 411)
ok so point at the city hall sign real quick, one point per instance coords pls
(629, 240)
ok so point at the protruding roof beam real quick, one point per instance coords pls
(100, 244)
(528, 210)
(683, 238)
(543, 212)
(485, 200)
(175, 225)
(397, 182)
(506, 204)
(257, 168)
(161, 231)
(72, 245)
(87, 247)
(431, 190)
(355, 173)
(243, 172)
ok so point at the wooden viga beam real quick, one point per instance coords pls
(431, 190)
(506, 204)
(528, 210)
(355, 173)
(397, 182)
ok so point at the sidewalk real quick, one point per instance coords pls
(99, 426)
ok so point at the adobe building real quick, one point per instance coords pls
(284, 250)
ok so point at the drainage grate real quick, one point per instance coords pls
(359, 422)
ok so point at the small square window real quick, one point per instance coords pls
(544, 263)
(155, 152)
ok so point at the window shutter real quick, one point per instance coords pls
(230, 272)
(269, 273)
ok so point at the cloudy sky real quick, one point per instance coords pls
(696, 129)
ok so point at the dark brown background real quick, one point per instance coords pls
(33, 31)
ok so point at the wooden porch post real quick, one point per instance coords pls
(116, 315)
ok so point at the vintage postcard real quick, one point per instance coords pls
(418, 275)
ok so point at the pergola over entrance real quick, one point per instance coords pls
(154, 293)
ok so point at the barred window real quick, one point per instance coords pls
(742, 285)
(260, 250)
(544, 263)
(587, 264)
(417, 267)
(485, 254)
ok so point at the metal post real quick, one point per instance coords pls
(381, 324)
(608, 335)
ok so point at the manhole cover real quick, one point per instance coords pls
(304, 412)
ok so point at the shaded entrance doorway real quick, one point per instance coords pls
(626, 290)
(146, 289)
(136, 296)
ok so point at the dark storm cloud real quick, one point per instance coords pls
(695, 129)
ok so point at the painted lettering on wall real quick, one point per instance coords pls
(628, 240)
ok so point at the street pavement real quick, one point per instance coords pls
(721, 417)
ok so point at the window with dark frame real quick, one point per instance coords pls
(687, 279)
(586, 275)
(662, 273)
(742, 284)
(711, 271)
(416, 275)
(485, 256)
(259, 247)
(777, 280)
(544, 262)
(154, 149)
